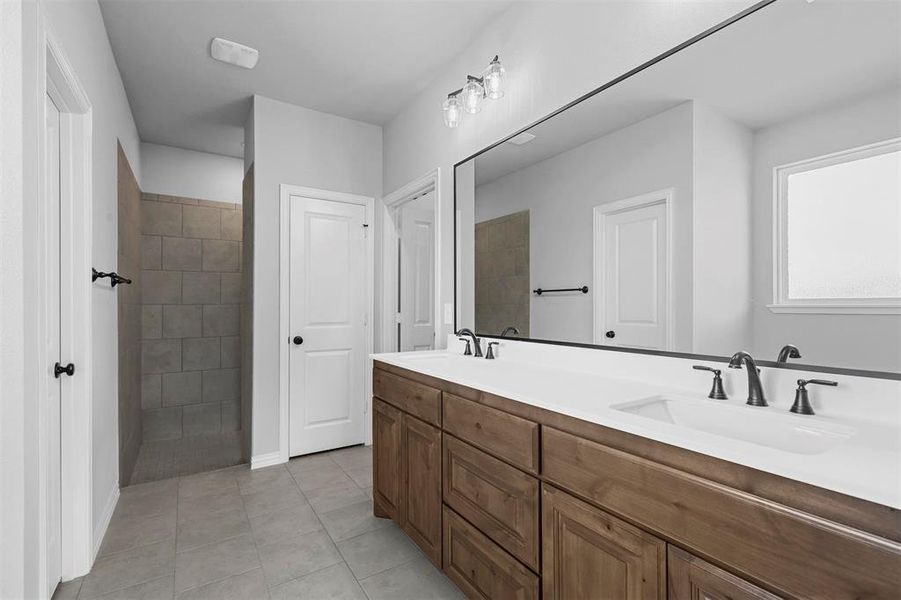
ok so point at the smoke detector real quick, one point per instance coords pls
(234, 53)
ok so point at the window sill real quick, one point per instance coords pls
(836, 309)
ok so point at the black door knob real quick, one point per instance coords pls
(58, 370)
(610, 334)
(297, 340)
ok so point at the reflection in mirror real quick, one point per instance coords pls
(743, 193)
(414, 225)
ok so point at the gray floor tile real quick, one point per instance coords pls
(351, 521)
(335, 496)
(278, 497)
(332, 583)
(155, 589)
(284, 523)
(415, 580)
(203, 484)
(208, 506)
(125, 533)
(214, 562)
(246, 586)
(68, 590)
(146, 499)
(250, 480)
(377, 551)
(349, 459)
(362, 476)
(321, 477)
(129, 568)
(310, 462)
(208, 530)
(297, 556)
(280, 478)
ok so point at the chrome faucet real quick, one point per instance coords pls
(510, 329)
(788, 351)
(477, 349)
(755, 389)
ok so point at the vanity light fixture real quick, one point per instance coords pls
(469, 97)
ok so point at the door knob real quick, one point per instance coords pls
(58, 370)
(297, 340)
(610, 334)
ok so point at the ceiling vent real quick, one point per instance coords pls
(234, 53)
(523, 138)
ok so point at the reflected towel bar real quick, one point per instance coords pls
(583, 289)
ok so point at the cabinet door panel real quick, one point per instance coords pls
(591, 554)
(422, 493)
(691, 578)
(498, 499)
(480, 567)
(387, 474)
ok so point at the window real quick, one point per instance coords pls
(838, 232)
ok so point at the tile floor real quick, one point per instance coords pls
(304, 530)
(165, 459)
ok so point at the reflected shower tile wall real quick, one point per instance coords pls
(191, 265)
(502, 291)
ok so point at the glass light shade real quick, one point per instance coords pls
(453, 111)
(494, 79)
(472, 94)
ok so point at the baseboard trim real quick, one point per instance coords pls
(266, 460)
(106, 517)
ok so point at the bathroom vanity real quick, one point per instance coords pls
(514, 499)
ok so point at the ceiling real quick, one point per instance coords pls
(788, 59)
(359, 59)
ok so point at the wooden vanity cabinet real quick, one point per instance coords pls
(387, 461)
(591, 554)
(691, 578)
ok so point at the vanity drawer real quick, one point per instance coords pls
(756, 538)
(498, 499)
(507, 436)
(410, 396)
(480, 567)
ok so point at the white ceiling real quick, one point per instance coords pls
(788, 59)
(359, 59)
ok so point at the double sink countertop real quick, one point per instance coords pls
(854, 456)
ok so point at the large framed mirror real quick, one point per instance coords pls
(741, 192)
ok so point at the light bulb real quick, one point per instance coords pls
(494, 78)
(472, 93)
(453, 111)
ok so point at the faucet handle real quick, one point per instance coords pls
(468, 350)
(802, 400)
(489, 354)
(716, 391)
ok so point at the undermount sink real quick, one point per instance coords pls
(761, 426)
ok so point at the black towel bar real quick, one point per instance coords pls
(114, 278)
(583, 289)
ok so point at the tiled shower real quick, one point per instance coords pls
(191, 254)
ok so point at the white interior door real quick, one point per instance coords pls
(327, 322)
(416, 275)
(635, 277)
(52, 346)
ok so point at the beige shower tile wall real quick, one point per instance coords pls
(191, 254)
(128, 264)
(502, 292)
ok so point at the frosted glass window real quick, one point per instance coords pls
(842, 228)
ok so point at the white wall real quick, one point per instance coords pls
(553, 52)
(179, 172)
(561, 193)
(79, 27)
(852, 341)
(722, 233)
(299, 146)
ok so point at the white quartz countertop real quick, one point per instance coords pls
(867, 465)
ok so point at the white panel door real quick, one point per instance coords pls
(52, 346)
(416, 274)
(327, 316)
(635, 267)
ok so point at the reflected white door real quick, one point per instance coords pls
(327, 316)
(635, 277)
(52, 346)
(416, 274)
